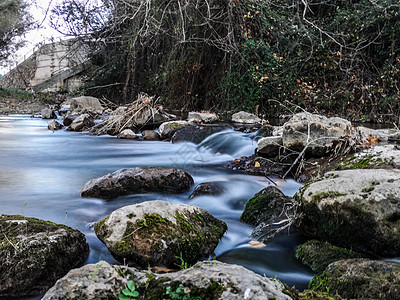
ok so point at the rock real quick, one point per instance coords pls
(202, 117)
(318, 255)
(86, 104)
(208, 189)
(382, 134)
(322, 131)
(346, 202)
(91, 282)
(160, 233)
(195, 134)
(266, 204)
(378, 157)
(360, 279)
(81, 123)
(270, 146)
(246, 118)
(68, 120)
(54, 125)
(206, 280)
(48, 113)
(167, 129)
(35, 253)
(127, 134)
(138, 180)
(266, 130)
(150, 135)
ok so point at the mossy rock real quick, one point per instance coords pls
(264, 205)
(318, 255)
(360, 279)
(160, 233)
(35, 253)
(365, 202)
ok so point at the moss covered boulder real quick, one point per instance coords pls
(35, 253)
(266, 204)
(210, 280)
(167, 129)
(318, 255)
(137, 180)
(160, 233)
(358, 209)
(360, 279)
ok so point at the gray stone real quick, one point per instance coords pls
(81, 123)
(167, 129)
(150, 135)
(85, 104)
(202, 117)
(91, 282)
(127, 134)
(35, 253)
(246, 118)
(270, 146)
(360, 279)
(160, 233)
(48, 113)
(315, 130)
(365, 202)
(214, 188)
(208, 280)
(195, 134)
(138, 180)
(54, 125)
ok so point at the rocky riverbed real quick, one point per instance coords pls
(348, 208)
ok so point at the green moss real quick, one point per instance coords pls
(131, 215)
(318, 255)
(323, 195)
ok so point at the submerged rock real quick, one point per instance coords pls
(318, 255)
(206, 280)
(360, 279)
(314, 129)
(160, 233)
(35, 253)
(356, 209)
(208, 189)
(137, 180)
(195, 134)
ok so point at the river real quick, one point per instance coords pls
(41, 173)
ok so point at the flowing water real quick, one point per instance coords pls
(41, 173)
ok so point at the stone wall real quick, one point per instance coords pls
(20, 76)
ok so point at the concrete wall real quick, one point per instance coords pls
(50, 68)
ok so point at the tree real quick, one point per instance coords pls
(14, 22)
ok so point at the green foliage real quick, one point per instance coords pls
(8, 93)
(179, 294)
(129, 293)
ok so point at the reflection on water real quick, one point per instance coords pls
(41, 173)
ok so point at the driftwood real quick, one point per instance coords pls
(134, 116)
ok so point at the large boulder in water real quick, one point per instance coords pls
(357, 209)
(48, 113)
(160, 233)
(245, 118)
(35, 253)
(205, 280)
(195, 134)
(360, 279)
(54, 125)
(138, 180)
(86, 104)
(315, 131)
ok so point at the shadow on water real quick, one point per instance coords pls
(42, 172)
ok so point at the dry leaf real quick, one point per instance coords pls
(257, 164)
(257, 244)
